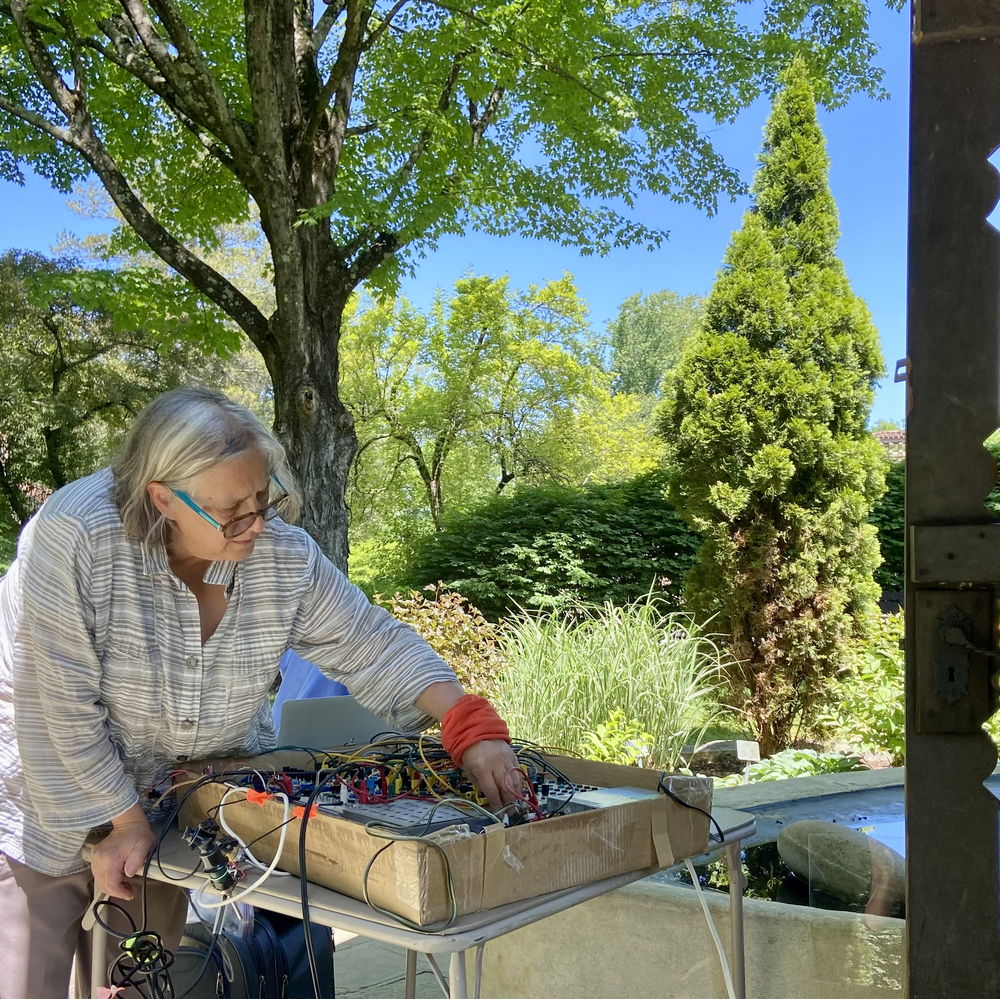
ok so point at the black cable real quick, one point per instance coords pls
(322, 779)
(165, 828)
(422, 928)
(162, 976)
(143, 960)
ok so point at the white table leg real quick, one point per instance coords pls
(736, 886)
(480, 950)
(457, 985)
(98, 945)
(98, 958)
(410, 991)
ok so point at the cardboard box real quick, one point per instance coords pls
(487, 869)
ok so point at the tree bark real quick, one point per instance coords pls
(301, 354)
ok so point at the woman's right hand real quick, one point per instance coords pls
(122, 853)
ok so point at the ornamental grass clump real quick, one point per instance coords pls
(573, 673)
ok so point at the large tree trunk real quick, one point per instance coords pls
(318, 433)
(312, 422)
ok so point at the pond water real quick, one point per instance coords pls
(886, 827)
(770, 879)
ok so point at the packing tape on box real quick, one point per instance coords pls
(661, 834)
(494, 847)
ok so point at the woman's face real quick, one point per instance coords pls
(229, 488)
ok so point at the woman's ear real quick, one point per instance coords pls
(161, 495)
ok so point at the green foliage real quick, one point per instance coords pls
(476, 385)
(618, 740)
(8, 548)
(889, 517)
(866, 702)
(766, 424)
(992, 444)
(554, 547)
(607, 673)
(73, 377)
(365, 133)
(490, 388)
(500, 113)
(793, 763)
(456, 631)
(647, 337)
(379, 563)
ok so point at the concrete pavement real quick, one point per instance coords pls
(367, 969)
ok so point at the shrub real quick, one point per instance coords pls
(456, 631)
(867, 700)
(618, 740)
(555, 547)
(889, 517)
(378, 563)
(793, 763)
(615, 672)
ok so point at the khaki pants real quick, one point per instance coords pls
(40, 929)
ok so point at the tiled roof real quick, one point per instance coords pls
(894, 442)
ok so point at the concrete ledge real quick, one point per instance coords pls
(748, 797)
(650, 941)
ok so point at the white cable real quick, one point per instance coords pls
(246, 850)
(726, 974)
(269, 870)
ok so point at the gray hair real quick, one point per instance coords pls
(180, 434)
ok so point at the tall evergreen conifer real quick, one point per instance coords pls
(766, 422)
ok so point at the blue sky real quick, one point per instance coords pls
(867, 143)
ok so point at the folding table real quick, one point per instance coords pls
(468, 933)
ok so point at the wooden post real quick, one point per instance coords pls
(953, 562)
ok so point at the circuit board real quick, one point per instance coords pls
(416, 815)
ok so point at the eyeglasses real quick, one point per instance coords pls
(238, 525)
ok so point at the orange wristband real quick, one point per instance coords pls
(469, 720)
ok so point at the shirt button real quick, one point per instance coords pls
(192, 661)
(187, 723)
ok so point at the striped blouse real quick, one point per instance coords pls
(105, 686)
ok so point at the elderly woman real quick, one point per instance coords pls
(140, 627)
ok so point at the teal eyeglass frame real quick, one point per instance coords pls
(266, 512)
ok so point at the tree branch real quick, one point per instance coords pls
(147, 74)
(65, 98)
(386, 243)
(36, 120)
(326, 22)
(479, 122)
(339, 85)
(209, 106)
(373, 36)
(81, 136)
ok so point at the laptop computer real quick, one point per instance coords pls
(322, 722)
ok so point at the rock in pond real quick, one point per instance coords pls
(845, 863)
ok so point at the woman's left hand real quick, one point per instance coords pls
(493, 766)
